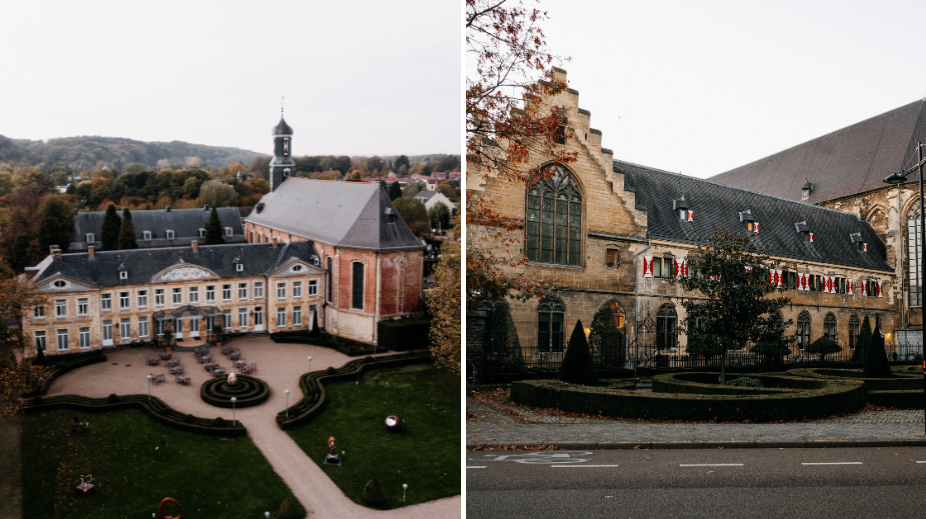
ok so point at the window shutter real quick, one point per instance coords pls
(810, 236)
(685, 265)
(757, 227)
(778, 278)
(647, 266)
(865, 288)
(849, 287)
(690, 216)
(880, 292)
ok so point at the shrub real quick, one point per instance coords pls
(288, 510)
(863, 344)
(745, 382)
(373, 493)
(876, 365)
(189, 418)
(113, 398)
(823, 346)
(502, 348)
(218, 422)
(577, 366)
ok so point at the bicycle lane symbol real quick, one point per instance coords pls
(537, 458)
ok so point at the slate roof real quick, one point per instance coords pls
(143, 264)
(185, 223)
(715, 205)
(426, 194)
(852, 160)
(347, 214)
(282, 128)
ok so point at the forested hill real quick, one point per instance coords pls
(88, 153)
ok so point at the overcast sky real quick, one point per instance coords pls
(703, 87)
(359, 77)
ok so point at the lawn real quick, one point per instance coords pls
(208, 476)
(425, 454)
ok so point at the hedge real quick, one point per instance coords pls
(249, 391)
(834, 397)
(707, 384)
(313, 390)
(348, 347)
(901, 399)
(900, 382)
(404, 334)
(71, 362)
(157, 409)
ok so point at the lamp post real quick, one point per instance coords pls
(287, 403)
(310, 368)
(149, 388)
(404, 488)
(897, 179)
(233, 399)
(266, 514)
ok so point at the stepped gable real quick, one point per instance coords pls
(185, 223)
(715, 205)
(142, 265)
(347, 214)
(852, 160)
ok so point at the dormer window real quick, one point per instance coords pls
(681, 208)
(390, 215)
(804, 229)
(123, 275)
(202, 233)
(170, 235)
(239, 267)
(229, 231)
(147, 235)
(859, 242)
(91, 238)
(297, 268)
(60, 284)
(806, 190)
(285, 146)
(751, 224)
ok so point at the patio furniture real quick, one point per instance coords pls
(176, 370)
(210, 365)
(183, 380)
(152, 361)
(240, 363)
(157, 379)
(165, 355)
(173, 362)
(235, 355)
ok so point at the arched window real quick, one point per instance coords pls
(829, 326)
(618, 313)
(914, 250)
(356, 285)
(854, 328)
(803, 330)
(554, 219)
(550, 326)
(666, 324)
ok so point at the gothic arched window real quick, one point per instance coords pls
(550, 326)
(618, 313)
(854, 328)
(914, 252)
(666, 323)
(803, 330)
(829, 326)
(554, 219)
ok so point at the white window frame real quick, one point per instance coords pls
(83, 338)
(242, 318)
(210, 293)
(146, 235)
(313, 287)
(226, 317)
(281, 290)
(170, 235)
(83, 306)
(38, 312)
(142, 299)
(239, 267)
(176, 296)
(258, 289)
(61, 308)
(125, 300)
(91, 237)
(158, 297)
(59, 335)
(281, 317)
(297, 316)
(106, 302)
(202, 233)
(193, 295)
(40, 341)
(242, 290)
(297, 288)
(229, 232)
(125, 329)
(226, 292)
(142, 326)
(123, 275)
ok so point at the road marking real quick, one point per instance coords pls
(580, 466)
(482, 467)
(710, 465)
(836, 463)
(921, 461)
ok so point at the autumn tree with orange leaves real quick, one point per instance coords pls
(509, 134)
(16, 376)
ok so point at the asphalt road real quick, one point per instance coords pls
(843, 483)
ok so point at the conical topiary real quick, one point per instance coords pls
(876, 365)
(288, 510)
(373, 493)
(577, 366)
(863, 344)
(502, 346)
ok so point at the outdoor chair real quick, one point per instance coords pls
(176, 370)
(183, 380)
(152, 362)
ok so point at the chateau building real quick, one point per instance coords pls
(108, 298)
(612, 232)
(373, 261)
(845, 170)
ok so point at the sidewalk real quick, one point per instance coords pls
(518, 427)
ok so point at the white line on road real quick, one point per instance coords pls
(710, 465)
(921, 461)
(580, 466)
(836, 463)
(482, 467)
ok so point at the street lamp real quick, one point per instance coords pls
(896, 179)
(149, 388)
(266, 514)
(233, 410)
(404, 488)
(287, 403)
(310, 368)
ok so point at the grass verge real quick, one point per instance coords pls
(133, 471)
(425, 454)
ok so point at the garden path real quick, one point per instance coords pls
(280, 365)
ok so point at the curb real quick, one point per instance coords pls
(752, 444)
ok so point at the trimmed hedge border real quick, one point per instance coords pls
(404, 334)
(348, 347)
(77, 360)
(834, 397)
(905, 390)
(157, 409)
(314, 391)
(249, 391)
(706, 384)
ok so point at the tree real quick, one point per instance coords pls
(373, 493)
(773, 344)
(394, 190)
(288, 510)
(401, 161)
(412, 211)
(355, 176)
(605, 340)
(57, 223)
(876, 365)
(374, 163)
(731, 274)
(411, 190)
(439, 214)
(112, 224)
(449, 189)
(507, 137)
(216, 193)
(577, 366)
(383, 186)
(823, 347)
(127, 232)
(863, 344)
(16, 377)
(214, 229)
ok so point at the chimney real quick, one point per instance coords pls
(195, 244)
(206, 207)
(55, 251)
(274, 241)
(91, 251)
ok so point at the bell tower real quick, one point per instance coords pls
(282, 164)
